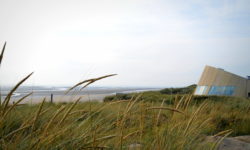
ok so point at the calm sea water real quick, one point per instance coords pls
(46, 91)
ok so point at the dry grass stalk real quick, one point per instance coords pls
(7, 99)
(126, 111)
(200, 125)
(79, 111)
(98, 140)
(180, 102)
(223, 132)
(38, 113)
(130, 134)
(129, 102)
(216, 144)
(52, 119)
(69, 110)
(2, 53)
(51, 137)
(88, 82)
(96, 148)
(116, 102)
(187, 101)
(159, 114)
(1, 58)
(132, 103)
(14, 105)
(15, 131)
(43, 112)
(166, 108)
(194, 115)
(142, 119)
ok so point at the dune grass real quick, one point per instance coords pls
(114, 125)
(140, 122)
(121, 124)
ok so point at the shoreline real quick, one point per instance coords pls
(62, 98)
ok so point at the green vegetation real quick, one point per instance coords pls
(149, 120)
(120, 124)
(225, 112)
(185, 90)
(155, 96)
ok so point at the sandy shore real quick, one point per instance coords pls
(59, 96)
(63, 98)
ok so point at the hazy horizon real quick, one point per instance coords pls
(148, 43)
(90, 86)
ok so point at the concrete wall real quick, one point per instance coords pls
(217, 77)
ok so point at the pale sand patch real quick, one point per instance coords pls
(62, 98)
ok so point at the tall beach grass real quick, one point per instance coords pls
(134, 123)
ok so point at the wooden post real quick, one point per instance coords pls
(51, 98)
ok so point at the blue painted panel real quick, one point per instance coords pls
(222, 90)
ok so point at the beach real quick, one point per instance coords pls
(60, 95)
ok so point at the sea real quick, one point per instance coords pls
(59, 93)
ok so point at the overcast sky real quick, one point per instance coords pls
(146, 42)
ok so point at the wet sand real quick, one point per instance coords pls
(62, 98)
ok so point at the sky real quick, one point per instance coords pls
(149, 43)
